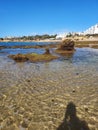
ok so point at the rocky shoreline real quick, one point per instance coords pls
(55, 44)
(65, 47)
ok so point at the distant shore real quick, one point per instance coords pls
(30, 40)
(53, 40)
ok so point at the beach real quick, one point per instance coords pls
(35, 96)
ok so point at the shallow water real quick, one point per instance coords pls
(9, 44)
(22, 51)
(38, 93)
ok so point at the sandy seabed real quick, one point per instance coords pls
(48, 96)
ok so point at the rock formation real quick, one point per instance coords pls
(33, 57)
(19, 57)
(66, 46)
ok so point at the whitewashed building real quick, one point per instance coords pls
(92, 30)
(61, 36)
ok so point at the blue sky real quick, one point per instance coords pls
(29, 17)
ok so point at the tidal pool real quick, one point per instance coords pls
(36, 96)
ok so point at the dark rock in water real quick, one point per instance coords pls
(28, 80)
(24, 124)
(19, 57)
(47, 51)
(77, 73)
(67, 45)
(73, 91)
(33, 57)
(86, 108)
(2, 47)
(52, 100)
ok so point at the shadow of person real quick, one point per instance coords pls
(71, 121)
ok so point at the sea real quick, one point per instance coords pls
(86, 55)
(82, 61)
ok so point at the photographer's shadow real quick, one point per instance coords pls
(71, 121)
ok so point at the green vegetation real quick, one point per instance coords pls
(36, 37)
(34, 57)
(1, 39)
(92, 35)
(92, 44)
(69, 35)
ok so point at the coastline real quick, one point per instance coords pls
(92, 43)
(30, 40)
(76, 39)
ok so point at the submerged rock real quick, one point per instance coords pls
(33, 57)
(19, 57)
(41, 57)
(2, 47)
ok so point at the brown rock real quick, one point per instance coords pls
(67, 45)
(66, 48)
(19, 58)
(47, 51)
(33, 57)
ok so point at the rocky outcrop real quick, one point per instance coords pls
(33, 57)
(66, 46)
(19, 57)
(47, 51)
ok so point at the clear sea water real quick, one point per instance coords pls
(23, 43)
(44, 88)
(81, 55)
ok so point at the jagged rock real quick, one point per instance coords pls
(66, 47)
(67, 44)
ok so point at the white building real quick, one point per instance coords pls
(92, 30)
(61, 36)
